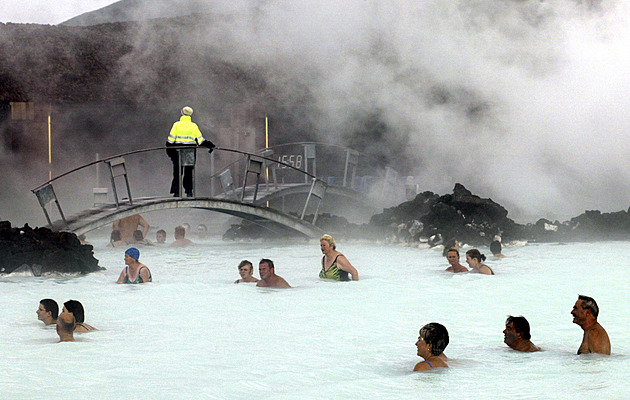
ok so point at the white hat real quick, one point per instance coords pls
(187, 111)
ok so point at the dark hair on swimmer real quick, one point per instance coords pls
(588, 303)
(137, 235)
(180, 231)
(436, 335)
(50, 305)
(448, 245)
(267, 261)
(449, 250)
(246, 262)
(520, 325)
(495, 247)
(474, 253)
(76, 308)
(115, 236)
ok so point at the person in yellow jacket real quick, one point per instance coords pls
(184, 133)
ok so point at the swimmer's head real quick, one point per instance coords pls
(133, 253)
(49, 306)
(160, 236)
(330, 240)
(588, 303)
(474, 253)
(180, 232)
(246, 263)
(436, 335)
(76, 308)
(115, 236)
(454, 251)
(187, 111)
(520, 325)
(137, 235)
(495, 247)
(66, 322)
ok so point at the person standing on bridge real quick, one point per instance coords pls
(184, 133)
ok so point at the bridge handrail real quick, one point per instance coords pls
(164, 148)
(317, 143)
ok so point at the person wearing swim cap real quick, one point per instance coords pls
(184, 133)
(134, 272)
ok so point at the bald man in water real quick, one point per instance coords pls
(65, 327)
(595, 339)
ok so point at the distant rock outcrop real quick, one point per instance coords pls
(460, 215)
(463, 216)
(41, 251)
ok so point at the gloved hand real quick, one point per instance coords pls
(211, 149)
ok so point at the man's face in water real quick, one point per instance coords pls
(509, 334)
(264, 270)
(161, 237)
(452, 257)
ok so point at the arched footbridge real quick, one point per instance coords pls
(252, 199)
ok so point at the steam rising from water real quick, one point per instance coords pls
(521, 101)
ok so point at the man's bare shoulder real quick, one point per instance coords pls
(597, 339)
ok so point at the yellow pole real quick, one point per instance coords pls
(267, 146)
(49, 149)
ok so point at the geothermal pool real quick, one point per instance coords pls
(193, 334)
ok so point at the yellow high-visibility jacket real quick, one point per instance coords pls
(185, 131)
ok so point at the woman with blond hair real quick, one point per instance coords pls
(335, 265)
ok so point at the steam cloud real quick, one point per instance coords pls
(521, 101)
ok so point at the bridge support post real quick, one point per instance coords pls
(268, 153)
(318, 189)
(309, 154)
(253, 165)
(46, 195)
(352, 159)
(117, 168)
(227, 183)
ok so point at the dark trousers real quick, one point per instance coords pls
(187, 173)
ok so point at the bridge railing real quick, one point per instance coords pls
(255, 164)
(335, 164)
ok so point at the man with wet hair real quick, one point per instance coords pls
(516, 335)
(432, 341)
(452, 256)
(65, 327)
(268, 277)
(48, 311)
(160, 236)
(180, 238)
(595, 339)
(246, 270)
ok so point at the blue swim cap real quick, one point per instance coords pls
(133, 253)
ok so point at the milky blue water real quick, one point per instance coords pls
(193, 334)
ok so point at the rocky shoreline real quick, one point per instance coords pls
(40, 251)
(434, 219)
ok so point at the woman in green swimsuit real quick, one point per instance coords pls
(335, 265)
